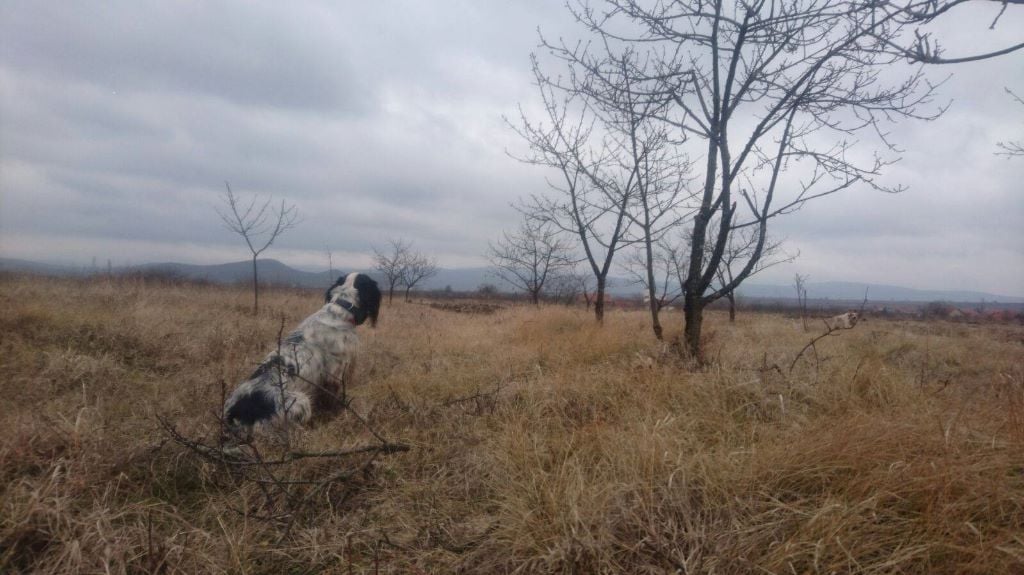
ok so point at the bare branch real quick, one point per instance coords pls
(1012, 148)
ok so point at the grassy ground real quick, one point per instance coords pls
(898, 449)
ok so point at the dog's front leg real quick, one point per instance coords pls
(335, 386)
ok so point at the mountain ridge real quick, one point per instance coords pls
(469, 279)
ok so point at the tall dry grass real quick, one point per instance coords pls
(541, 442)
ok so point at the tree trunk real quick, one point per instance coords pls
(535, 297)
(803, 311)
(255, 289)
(407, 290)
(652, 292)
(693, 313)
(732, 307)
(599, 301)
(655, 322)
(391, 294)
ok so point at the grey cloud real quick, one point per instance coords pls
(120, 123)
(251, 53)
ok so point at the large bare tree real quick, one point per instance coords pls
(259, 224)
(531, 256)
(777, 95)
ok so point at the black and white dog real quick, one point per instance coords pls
(304, 374)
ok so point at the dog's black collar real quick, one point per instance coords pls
(358, 315)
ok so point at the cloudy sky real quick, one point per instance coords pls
(120, 121)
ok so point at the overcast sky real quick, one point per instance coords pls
(120, 121)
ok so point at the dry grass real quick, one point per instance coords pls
(541, 443)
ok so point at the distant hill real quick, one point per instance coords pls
(26, 266)
(469, 279)
(270, 271)
(853, 291)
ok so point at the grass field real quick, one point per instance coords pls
(540, 442)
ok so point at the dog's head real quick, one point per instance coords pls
(360, 292)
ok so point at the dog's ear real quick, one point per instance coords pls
(327, 294)
(369, 297)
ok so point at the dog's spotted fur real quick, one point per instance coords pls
(305, 371)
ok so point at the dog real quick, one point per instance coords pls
(303, 375)
(842, 321)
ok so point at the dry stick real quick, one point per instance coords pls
(214, 454)
(220, 457)
(264, 478)
(393, 395)
(280, 384)
(322, 485)
(262, 467)
(810, 344)
(830, 331)
(341, 476)
(149, 541)
(386, 448)
(197, 447)
(263, 484)
(220, 414)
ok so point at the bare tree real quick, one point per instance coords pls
(592, 193)
(259, 224)
(620, 167)
(531, 256)
(330, 261)
(661, 272)
(738, 252)
(800, 284)
(564, 291)
(487, 290)
(417, 267)
(638, 144)
(778, 95)
(660, 195)
(1012, 148)
(659, 170)
(572, 284)
(391, 264)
